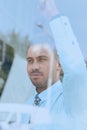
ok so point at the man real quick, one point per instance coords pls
(73, 99)
(44, 71)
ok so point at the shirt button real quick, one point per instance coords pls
(65, 24)
(73, 43)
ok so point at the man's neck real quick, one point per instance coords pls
(41, 89)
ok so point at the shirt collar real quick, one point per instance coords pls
(53, 91)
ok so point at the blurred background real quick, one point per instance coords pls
(17, 20)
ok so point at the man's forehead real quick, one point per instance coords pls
(40, 47)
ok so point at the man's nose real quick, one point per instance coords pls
(35, 65)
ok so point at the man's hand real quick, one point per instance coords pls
(48, 8)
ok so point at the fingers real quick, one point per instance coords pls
(48, 8)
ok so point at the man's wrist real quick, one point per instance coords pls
(58, 15)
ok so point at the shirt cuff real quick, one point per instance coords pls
(56, 16)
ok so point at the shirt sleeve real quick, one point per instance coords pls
(72, 61)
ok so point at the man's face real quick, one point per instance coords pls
(38, 65)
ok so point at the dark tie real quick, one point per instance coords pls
(37, 100)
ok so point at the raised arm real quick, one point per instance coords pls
(71, 58)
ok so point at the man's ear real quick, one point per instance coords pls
(58, 66)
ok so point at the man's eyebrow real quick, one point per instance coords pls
(28, 58)
(42, 56)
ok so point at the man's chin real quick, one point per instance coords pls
(36, 84)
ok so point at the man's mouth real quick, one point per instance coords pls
(35, 74)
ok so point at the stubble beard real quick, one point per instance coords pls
(39, 85)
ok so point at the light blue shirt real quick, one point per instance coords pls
(52, 101)
(74, 67)
(75, 72)
(72, 98)
(53, 94)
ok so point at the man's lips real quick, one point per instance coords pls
(35, 74)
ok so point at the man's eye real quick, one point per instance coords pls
(30, 61)
(42, 59)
